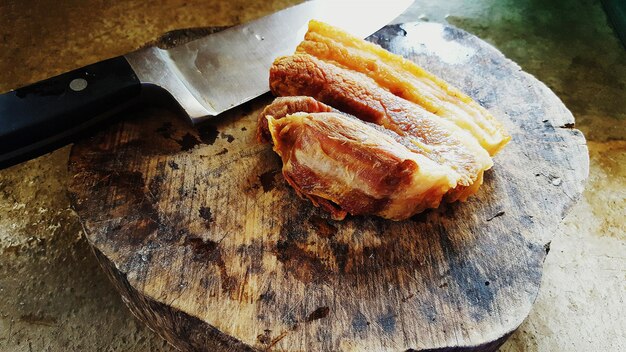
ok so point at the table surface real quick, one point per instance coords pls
(54, 295)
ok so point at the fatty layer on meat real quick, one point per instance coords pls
(405, 79)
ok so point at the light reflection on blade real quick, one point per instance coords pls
(231, 67)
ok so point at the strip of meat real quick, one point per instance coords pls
(359, 95)
(405, 79)
(283, 106)
(346, 166)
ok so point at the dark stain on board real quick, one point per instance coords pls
(359, 322)
(140, 217)
(428, 311)
(305, 265)
(202, 250)
(407, 298)
(208, 251)
(292, 250)
(172, 164)
(462, 271)
(267, 296)
(387, 322)
(268, 180)
(266, 337)
(205, 213)
(289, 319)
(322, 226)
(208, 133)
(310, 249)
(341, 251)
(182, 192)
(154, 186)
(319, 313)
(168, 227)
(496, 215)
(228, 137)
(547, 247)
(142, 228)
(188, 142)
(222, 152)
(254, 251)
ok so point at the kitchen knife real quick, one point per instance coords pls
(206, 76)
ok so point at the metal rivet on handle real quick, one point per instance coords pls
(78, 84)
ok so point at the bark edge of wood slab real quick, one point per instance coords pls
(209, 246)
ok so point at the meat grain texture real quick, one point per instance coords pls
(363, 131)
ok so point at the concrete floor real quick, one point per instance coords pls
(53, 296)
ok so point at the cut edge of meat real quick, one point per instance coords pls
(422, 183)
(283, 106)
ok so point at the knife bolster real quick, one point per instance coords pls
(154, 68)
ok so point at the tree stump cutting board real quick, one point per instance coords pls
(213, 250)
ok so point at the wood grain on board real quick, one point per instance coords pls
(212, 249)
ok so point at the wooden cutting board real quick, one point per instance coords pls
(210, 247)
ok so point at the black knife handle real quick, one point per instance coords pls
(41, 117)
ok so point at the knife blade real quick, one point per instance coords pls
(206, 76)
